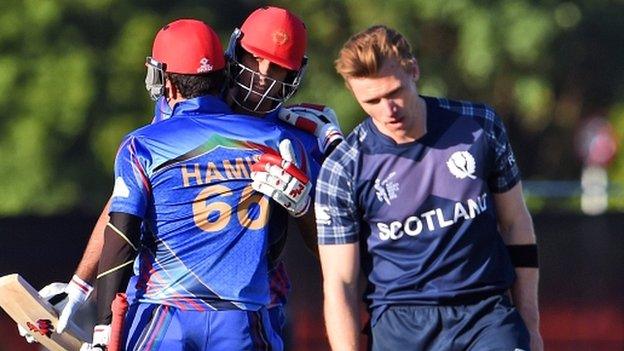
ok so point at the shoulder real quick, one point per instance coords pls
(481, 113)
(349, 149)
(342, 162)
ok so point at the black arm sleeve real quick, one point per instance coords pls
(121, 240)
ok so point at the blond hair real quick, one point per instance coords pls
(365, 52)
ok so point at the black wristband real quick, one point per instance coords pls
(523, 255)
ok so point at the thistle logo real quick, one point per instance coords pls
(386, 190)
(462, 165)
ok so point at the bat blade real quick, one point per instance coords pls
(23, 303)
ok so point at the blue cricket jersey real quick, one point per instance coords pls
(279, 283)
(205, 231)
(423, 210)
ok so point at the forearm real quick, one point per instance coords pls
(88, 266)
(307, 229)
(525, 296)
(115, 267)
(525, 289)
(342, 319)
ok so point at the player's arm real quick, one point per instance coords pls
(516, 227)
(340, 266)
(319, 120)
(307, 229)
(338, 227)
(87, 268)
(81, 284)
(322, 122)
(121, 240)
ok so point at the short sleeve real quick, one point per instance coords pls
(132, 187)
(505, 172)
(337, 219)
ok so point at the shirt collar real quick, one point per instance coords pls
(206, 104)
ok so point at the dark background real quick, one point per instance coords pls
(582, 278)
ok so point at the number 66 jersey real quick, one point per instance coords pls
(205, 231)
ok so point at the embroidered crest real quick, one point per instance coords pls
(462, 165)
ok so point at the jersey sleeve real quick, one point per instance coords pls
(505, 172)
(132, 187)
(337, 219)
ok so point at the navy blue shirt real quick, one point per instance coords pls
(423, 211)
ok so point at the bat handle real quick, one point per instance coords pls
(119, 308)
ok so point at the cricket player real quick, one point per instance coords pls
(426, 196)
(266, 64)
(184, 206)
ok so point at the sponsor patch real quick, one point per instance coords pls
(322, 215)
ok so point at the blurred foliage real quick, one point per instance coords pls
(71, 78)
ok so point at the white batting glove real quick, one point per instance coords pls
(49, 292)
(78, 292)
(281, 179)
(319, 120)
(101, 337)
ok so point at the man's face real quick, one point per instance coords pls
(391, 99)
(267, 77)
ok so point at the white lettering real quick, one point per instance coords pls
(482, 202)
(460, 211)
(413, 225)
(408, 226)
(427, 215)
(384, 231)
(395, 230)
(441, 221)
(473, 207)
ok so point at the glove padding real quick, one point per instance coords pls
(281, 179)
(319, 120)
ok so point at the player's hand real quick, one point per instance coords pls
(281, 179)
(78, 292)
(101, 337)
(55, 294)
(537, 344)
(319, 120)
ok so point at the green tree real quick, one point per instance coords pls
(71, 78)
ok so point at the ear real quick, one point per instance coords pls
(415, 70)
(171, 92)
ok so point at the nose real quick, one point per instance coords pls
(390, 107)
(264, 67)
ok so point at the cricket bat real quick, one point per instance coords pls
(23, 303)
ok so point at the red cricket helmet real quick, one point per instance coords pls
(274, 34)
(185, 46)
(277, 35)
(188, 46)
